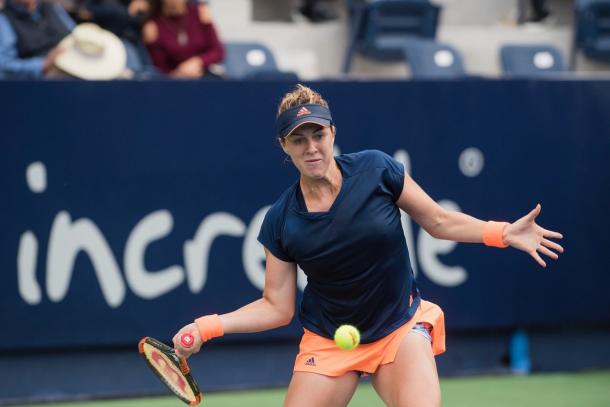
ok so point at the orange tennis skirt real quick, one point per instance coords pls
(321, 355)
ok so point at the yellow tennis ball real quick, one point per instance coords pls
(347, 337)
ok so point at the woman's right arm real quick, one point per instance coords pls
(274, 309)
(214, 52)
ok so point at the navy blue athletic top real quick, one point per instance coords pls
(355, 255)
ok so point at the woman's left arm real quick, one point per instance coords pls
(523, 234)
(215, 51)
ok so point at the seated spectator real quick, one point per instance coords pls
(121, 17)
(30, 31)
(537, 12)
(181, 39)
(124, 18)
(317, 11)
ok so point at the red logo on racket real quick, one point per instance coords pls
(168, 372)
(187, 340)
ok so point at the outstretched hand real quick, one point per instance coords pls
(524, 234)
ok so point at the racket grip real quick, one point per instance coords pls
(187, 340)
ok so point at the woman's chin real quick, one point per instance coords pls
(313, 175)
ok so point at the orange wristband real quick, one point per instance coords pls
(209, 327)
(492, 234)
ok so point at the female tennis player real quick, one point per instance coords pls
(340, 221)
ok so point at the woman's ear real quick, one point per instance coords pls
(333, 132)
(282, 143)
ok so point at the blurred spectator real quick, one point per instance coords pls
(317, 11)
(534, 11)
(29, 33)
(124, 18)
(182, 40)
(540, 10)
(112, 15)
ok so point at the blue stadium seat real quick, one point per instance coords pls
(592, 33)
(531, 60)
(379, 28)
(430, 59)
(251, 60)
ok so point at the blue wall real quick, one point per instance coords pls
(140, 167)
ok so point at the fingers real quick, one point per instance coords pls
(179, 348)
(543, 248)
(534, 213)
(176, 343)
(537, 257)
(182, 351)
(551, 234)
(548, 253)
(552, 245)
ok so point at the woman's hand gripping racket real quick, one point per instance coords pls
(171, 368)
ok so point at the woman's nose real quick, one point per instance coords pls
(311, 146)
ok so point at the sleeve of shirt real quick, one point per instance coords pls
(270, 235)
(215, 52)
(394, 174)
(11, 66)
(64, 17)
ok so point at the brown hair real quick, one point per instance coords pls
(299, 96)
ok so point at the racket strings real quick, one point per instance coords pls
(172, 370)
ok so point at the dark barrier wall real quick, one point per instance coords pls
(130, 208)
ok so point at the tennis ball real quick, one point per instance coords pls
(347, 337)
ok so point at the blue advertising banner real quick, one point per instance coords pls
(130, 208)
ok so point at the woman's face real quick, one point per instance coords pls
(173, 6)
(310, 148)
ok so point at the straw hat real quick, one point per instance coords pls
(92, 53)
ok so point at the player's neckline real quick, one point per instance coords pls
(302, 206)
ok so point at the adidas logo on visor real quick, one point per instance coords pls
(303, 111)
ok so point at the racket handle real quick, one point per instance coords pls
(187, 340)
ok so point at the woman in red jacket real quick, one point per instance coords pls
(181, 38)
